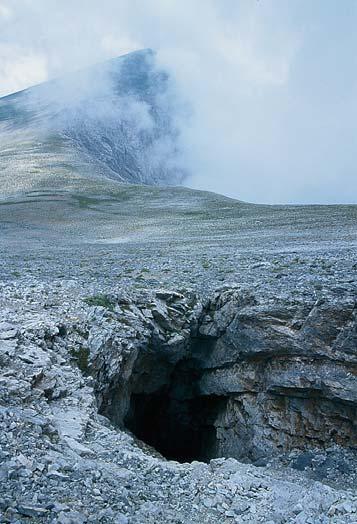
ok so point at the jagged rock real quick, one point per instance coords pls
(31, 511)
(242, 376)
(7, 331)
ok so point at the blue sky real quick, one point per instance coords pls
(272, 83)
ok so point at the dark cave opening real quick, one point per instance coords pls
(175, 420)
(178, 406)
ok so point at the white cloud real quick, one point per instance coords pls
(271, 83)
(5, 12)
(118, 45)
(20, 68)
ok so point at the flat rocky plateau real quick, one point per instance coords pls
(174, 356)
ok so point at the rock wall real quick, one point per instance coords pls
(241, 377)
(289, 371)
(160, 364)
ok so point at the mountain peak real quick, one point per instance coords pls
(115, 114)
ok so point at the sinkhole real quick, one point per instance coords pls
(188, 404)
(181, 430)
(174, 419)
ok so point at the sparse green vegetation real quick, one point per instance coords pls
(100, 300)
(82, 357)
(206, 264)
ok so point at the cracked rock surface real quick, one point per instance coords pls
(283, 371)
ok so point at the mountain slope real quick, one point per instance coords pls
(113, 120)
(67, 147)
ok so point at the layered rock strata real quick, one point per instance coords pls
(233, 376)
(237, 377)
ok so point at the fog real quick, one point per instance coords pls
(268, 86)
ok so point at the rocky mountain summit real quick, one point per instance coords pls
(114, 120)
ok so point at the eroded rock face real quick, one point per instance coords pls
(235, 377)
(173, 370)
(289, 371)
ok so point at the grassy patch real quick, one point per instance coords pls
(206, 264)
(85, 202)
(82, 356)
(100, 300)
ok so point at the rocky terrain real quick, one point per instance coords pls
(170, 355)
(66, 362)
(155, 372)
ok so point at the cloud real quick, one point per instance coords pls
(118, 45)
(5, 12)
(20, 68)
(271, 84)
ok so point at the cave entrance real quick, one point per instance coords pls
(176, 421)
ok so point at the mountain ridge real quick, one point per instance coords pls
(114, 118)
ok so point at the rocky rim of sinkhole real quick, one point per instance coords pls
(191, 380)
(232, 377)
